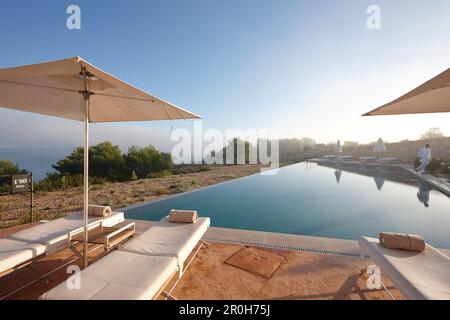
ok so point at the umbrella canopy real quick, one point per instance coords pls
(338, 147)
(432, 96)
(379, 147)
(54, 88)
(75, 89)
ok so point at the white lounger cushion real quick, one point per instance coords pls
(418, 275)
(44, 238)
(169, 239)
(119, 276)
(53, 234)
(14, 253)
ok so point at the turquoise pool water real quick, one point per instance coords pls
(309, 199)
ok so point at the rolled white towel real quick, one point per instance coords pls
(183, 216)
(99, 211)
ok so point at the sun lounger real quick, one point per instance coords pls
(141, 268)
(417, 275)
(119, 276)
(169, 239)
(13, 253)
(49, 237)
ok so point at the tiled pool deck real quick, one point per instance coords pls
(311, 268)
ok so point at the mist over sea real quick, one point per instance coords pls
(37, 160)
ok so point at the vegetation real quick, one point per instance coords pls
(351, 143)
(107, 163)
(295, 149)
(290, 150)
(146, 161)
(185, 169)
(436, 165)
(7, 167)
(233, 146)
(433, 133)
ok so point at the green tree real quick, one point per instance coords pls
(105, 161)
(7, 167)
(147, 160)
(72, 164)
(233, 148)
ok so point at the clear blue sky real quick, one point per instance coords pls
(308, 68)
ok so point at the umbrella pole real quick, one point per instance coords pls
(86, 98)
(86, 183)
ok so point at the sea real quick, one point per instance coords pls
(37, 160)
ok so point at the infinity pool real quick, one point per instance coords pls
(308, 199)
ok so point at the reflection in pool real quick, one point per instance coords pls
(308, 199)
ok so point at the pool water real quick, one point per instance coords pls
(309, 199)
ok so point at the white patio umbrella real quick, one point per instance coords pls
(432, 96)
(75, 89)
(379, 147)
(338, 147)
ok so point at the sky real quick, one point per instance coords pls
(306, 68)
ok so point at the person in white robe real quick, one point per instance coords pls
(424, 157)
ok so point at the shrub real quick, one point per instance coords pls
(108, 203)
(228, 176)
(7, 167)
(5, 188)
(56, 181)
(416, 162)
(106, 163)
(184, 169)
(434, 166)
(161, 174)
(445, 167)
(95, 187)
(179, 189)
(161, 191)
(146, 161)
